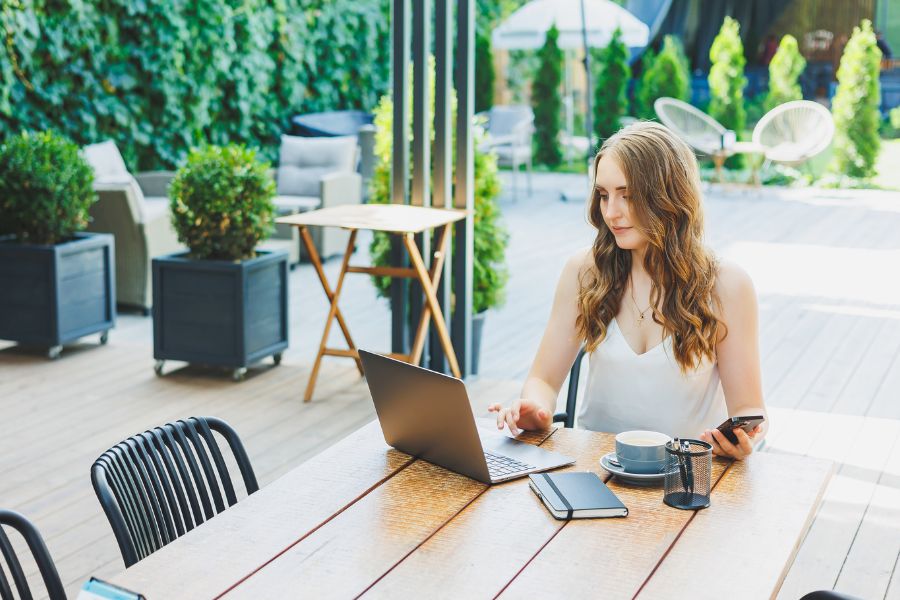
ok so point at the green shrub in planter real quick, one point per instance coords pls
(222, 303)
(45, 188)
(221, 202)
(56, 283)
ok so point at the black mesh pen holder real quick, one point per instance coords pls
(688, 474)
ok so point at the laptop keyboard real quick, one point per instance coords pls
(500, 466)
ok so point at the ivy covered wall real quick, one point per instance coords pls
(160, 76)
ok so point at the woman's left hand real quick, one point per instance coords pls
(722, 447)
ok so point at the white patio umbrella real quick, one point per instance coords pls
(581, 24)
(526, 29)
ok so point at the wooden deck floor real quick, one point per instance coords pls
(826, 267)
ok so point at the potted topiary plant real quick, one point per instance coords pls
(56, 282)
(223, 303)
(489, 274)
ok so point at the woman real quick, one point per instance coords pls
(671, 333)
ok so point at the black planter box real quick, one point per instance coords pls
(220, 313)
(54, 294)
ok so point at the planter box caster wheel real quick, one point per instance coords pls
(158, 368)
(276, 358)
(238, 374)
(54, 352)
(104, 337)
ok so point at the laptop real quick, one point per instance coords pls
(428, 415)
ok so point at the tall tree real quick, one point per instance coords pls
(546, 101)
(855, 105)
(610, 98)
(665, 76)
(484, 71)
(727, 81)
(784, 71)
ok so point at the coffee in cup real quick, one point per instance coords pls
(642, 452)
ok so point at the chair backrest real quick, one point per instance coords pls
(157, 485)
(510, 120)
(691, 124)
(567, 418)
(10, 563)
(120, 196)
(794, 131)
(303, 161)
(107, 162)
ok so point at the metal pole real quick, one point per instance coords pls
(443, 153)
(589, 117)
(400, 166)
(421, 180)
(463, 253)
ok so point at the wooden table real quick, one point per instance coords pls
(399, 219)
(364, 519)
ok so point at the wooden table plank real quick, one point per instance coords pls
(370, 537)
(609, 556)
(760, 511)
(343, 557)
(483, 548)
(249, 534)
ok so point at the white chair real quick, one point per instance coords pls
(703, 133)
(316, 173)
(794, 132)
(135, 210)
(509, 131)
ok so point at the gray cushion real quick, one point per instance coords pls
(300, 181)
(333, 154)
(107, 162)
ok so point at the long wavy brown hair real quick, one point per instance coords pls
(665, 205)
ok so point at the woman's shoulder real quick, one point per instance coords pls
(581, 260)
(733, 284)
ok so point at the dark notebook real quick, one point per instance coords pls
(578, 495)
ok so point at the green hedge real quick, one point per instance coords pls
(161, 76)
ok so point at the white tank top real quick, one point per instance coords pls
(648, 391)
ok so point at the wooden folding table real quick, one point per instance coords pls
(398, 219)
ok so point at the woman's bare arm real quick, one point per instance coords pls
(738, 355)
(557, 351)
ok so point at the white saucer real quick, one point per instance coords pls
(632, 478)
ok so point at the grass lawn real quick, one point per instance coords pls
(888, 166)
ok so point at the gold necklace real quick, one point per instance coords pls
(640, 320)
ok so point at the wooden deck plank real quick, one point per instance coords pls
(867, 569)
(831, 536)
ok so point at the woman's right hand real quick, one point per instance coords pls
(522, 414)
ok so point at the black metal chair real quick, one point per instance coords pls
(13, 566)
(567, 418)
(828, 595)
(157, 485)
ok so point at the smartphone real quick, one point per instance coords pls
(746, 423)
